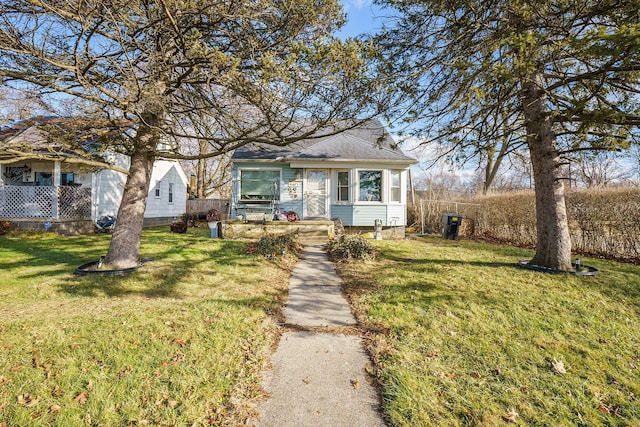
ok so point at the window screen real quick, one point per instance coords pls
(260, 185)
(394, 187)
(343, 186)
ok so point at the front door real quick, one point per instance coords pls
(315, 195)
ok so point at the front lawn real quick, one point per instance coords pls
(460, 336)
(180, 342)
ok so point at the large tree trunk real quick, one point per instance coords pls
(553, 249)
(124, 249)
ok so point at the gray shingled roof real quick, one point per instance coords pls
(370, 141)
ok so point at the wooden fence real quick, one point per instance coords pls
(202, 206)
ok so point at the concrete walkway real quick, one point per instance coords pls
(318, 378)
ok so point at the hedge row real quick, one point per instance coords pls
(603, 222)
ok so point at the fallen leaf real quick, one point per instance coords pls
(47, 370)
(172, 403)
(558, 366)
(4, 380)
(28, 400)
(475, 374)
(57, 391)
(355, 383)
(604, 409)
(17, 367)
(179, 342)
(81, 398)
(73, 345)
(511, 416)
(306, 380)
(54, 409)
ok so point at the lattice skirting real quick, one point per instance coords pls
(41, 202)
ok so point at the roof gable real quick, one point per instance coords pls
(369, 141)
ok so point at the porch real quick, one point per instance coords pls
(305, 229)
(65, 209)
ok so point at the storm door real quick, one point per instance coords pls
(315, 194)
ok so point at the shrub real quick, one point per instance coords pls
(271, 246)
(602, 222)
(351, 246)
(5, 227)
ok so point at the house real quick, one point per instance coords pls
(357, 176)
(71, 192)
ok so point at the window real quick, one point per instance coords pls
(260, 184)
(370, 183)
(67, 178)
(171, 192)
(343, 186)
(44, 178)
(394, 186)
(14, 175)
(157, 190)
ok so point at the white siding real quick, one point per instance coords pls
(159, 207)
(396, 215)
(109, 185)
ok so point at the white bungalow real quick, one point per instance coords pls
(69, 196)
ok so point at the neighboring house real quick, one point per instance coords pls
(358, 175)
(71, 195)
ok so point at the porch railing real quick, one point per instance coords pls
(42, 202)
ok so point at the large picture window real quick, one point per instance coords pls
(370, 185)
(260, 185)
(343, 186)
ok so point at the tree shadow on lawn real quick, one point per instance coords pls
(623, 282)
(70, 251)
(163, 285)
(167, 275)
(47, 256)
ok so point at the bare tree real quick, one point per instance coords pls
(601, 170)
(248, 70)
(20, 105)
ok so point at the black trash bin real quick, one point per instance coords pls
(451, 224)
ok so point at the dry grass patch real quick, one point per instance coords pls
(460, 336)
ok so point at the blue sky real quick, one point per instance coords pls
(362, 17)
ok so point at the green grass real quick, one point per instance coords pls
(460, 336)
(180, 342)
